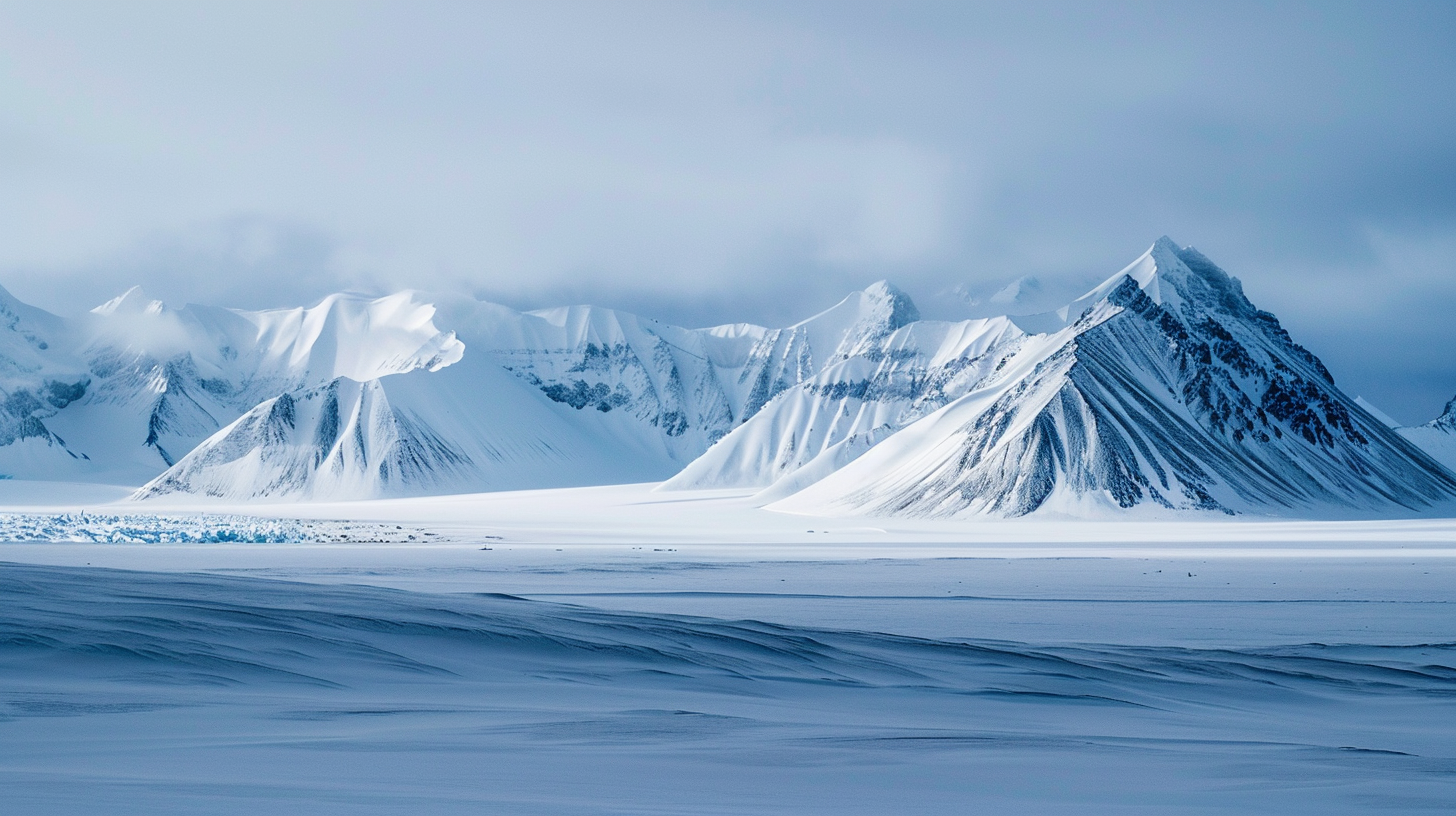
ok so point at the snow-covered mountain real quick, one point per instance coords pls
(868, 392)
(568, 396)
(126, 390)
(1163, 387)
(358, 397)
(1437, 437)
(39, 378)
(468, 427)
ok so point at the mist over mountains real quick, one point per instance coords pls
(1163, 390)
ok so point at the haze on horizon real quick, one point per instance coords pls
(706, 163)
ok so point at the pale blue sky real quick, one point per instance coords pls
(713, 162)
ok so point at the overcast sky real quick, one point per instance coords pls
(721, 162)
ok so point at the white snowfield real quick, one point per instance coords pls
(619, 650)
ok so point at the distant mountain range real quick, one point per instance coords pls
(1163, 390)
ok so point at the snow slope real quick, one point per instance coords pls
(1164, 388)
(1437, 437)
(38, 379)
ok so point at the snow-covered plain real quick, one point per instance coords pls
(619, 650)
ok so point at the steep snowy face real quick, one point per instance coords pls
(872, 388)
(342, 336)
(666, 389)
(350, 336)
(1437, 437)
(1166, 388)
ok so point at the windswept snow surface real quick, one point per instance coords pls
(158, 693)
(618, 650)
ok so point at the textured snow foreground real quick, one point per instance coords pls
(1167, 668)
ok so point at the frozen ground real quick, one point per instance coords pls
(612, 652)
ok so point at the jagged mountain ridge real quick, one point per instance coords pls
(671, 390)
(1165, 387)
(132, 387)
(617, 397)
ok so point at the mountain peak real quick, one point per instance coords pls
(1447, 420)
(1173, 278)
(134, 301)
(1165, 244)
(901, 309)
